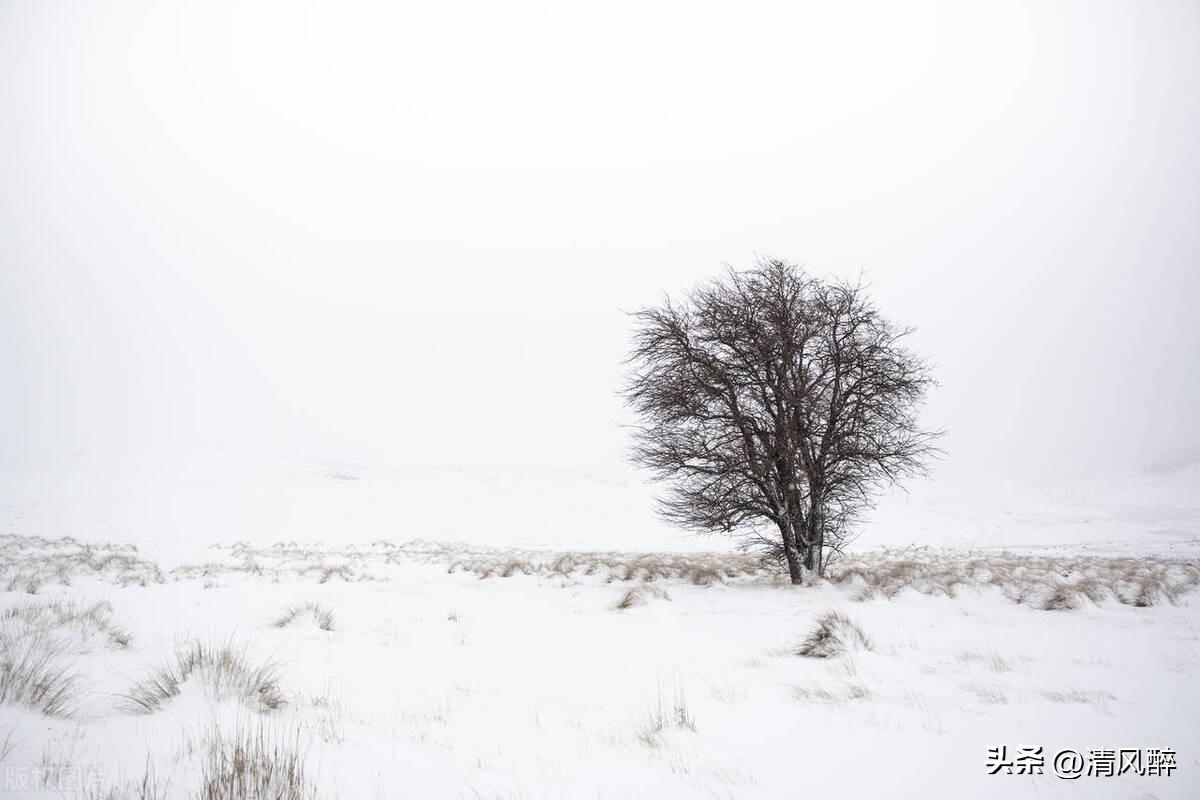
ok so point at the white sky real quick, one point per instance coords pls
(404, 233)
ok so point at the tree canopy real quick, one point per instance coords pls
(772, 398)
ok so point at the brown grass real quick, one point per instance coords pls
(698, 568)
(849, 691)
(254, 765)
(37, 637)
(321, 616)
(989, 658)
(75, 623)
(1078, 696)
(223, 670)
(834, 634)
(29, 562)
(987, 693)
(640, 596)
(32, 674)
(1050, 583)
(667, 713)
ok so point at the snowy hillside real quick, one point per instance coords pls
(175, 505)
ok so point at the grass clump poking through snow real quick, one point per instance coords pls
(36, 638)
(76, 625)
(223, 671)
(849, 691)
(321, 616)
(253, 765)
(28, 562)
(699, 568)
(32, 674)
(1049, 583)
(640, 596)
(834, 634)
(666, 715)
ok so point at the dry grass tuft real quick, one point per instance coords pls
(1059, 597)
(1078, 696)
(1038, 581)
(327, 573)
(20, 582)
(32, 674)
(834, 634)
(37, 637)
(672, 713)
(75, 624)
(253, 765)
(321, 616)
(224, 671)
(989, 658)
(150, 787)
(1052, 583)
(848, 692)
(29, 562)
(987, 693)
(701, 569)
(640, 596)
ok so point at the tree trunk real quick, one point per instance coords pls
(795, 561)
(816, 555)
(814, 538)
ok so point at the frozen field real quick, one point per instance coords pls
(312, 621)
(173, 507)
(428, 670)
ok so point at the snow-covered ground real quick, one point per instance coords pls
(447, 671)
(173, 506)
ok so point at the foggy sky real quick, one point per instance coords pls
(406, 233)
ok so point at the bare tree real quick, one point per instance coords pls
(771, 399)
